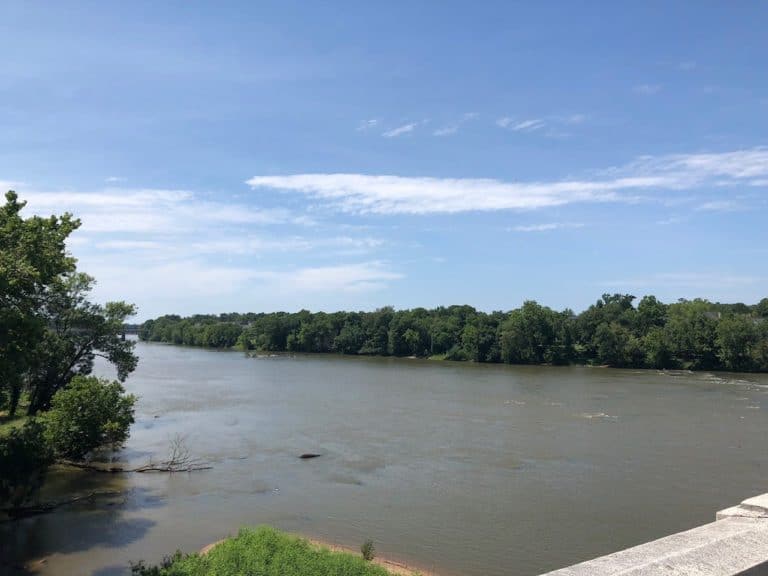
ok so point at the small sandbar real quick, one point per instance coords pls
(391, 566)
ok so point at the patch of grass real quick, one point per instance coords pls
(267, 552)
(8, 423)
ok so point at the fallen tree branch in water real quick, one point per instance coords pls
(26, 511)
(179, 460)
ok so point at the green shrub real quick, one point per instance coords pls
(88, 414)
(266, 552)
(368, 550)
(24, 460)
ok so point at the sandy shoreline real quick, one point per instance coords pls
(391, 566)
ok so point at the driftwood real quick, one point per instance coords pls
(26, 511)
(179, 460)
(309, 455)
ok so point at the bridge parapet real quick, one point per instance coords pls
(735, 544)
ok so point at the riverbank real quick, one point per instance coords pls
(391, 566)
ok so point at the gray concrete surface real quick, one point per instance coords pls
(735, 544)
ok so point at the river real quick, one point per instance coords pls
(475, 470)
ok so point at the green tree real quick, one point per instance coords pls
(77, 331)
(690, 333)
(611, 343)
(528, 334)
(656, 349)
(736, 336)
(32, 256)
(90, 413)
(650, 314)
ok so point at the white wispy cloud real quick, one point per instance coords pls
(149, 210)
(547, 226)
(114, 179)
(553, 124)
(360, 277)
(171, 250)
(446, 130)
(256, 245)
(121, 245)
(719, 206)
(368, 124)
(574, 119)
(648, 89)
(527, 125)
(452, 128)
(671, 220)
(6, 185)
(704, 281)
(400, 130)
(194, 278)
(390, 194)
(687, 65)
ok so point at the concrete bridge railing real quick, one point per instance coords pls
(736, 543)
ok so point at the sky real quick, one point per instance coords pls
(244, 156)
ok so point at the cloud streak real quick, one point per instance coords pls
(549, 125)
(452, 128)
(400, 130)
(547, 226)
(390, 194)
(648, 89)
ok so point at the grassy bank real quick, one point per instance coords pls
(268, 552)
(8, 423)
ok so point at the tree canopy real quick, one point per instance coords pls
(614, 331)
(49, 330)
(50, 334)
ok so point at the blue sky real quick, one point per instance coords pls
(349, 155)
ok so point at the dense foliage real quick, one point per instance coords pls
(267, 552)
(50, 334)
(49, 331)
(694, 334)
(88, 414)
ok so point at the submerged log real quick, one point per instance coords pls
(309, 455)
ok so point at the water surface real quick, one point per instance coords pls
(459, 468)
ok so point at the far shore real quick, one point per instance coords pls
(391, 566)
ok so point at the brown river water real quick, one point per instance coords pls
(457, 468)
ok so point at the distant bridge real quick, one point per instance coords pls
(132, 329)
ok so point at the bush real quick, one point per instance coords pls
(24, 460)
(267, 552)
(88, 414)
(368, 550)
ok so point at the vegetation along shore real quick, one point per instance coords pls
(688, 334)
(265, 550)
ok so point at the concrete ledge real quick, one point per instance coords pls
(755, 507)
(737, 543)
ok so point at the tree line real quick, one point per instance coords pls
(687, 334)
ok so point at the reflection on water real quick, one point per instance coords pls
(473, 470)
